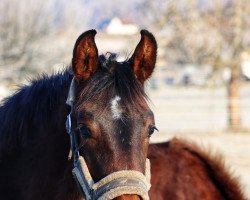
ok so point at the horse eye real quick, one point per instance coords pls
(151, 130)
(84, 131)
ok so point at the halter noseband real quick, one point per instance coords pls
(111, 186)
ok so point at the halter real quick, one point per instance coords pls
(114, 184)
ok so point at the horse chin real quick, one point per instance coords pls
(128, 197)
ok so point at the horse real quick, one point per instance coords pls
(101, 151)
(182, 170)
(84, 134)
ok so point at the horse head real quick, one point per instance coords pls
(110, 121)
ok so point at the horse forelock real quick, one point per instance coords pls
(113, 79)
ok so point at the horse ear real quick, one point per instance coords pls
(85, 56)
(144, 57)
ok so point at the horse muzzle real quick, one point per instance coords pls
(121, 183)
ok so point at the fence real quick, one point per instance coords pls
(181, 109)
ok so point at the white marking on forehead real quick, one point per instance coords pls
(116, 111)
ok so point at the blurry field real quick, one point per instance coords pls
(200, 115)
(195, 108)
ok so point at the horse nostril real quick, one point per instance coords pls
(128, 197)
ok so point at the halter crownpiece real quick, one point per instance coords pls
(71, 96)
(114, 184)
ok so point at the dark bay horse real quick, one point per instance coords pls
(181, 170)
(108, 128)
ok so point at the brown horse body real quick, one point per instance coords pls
(181, 170)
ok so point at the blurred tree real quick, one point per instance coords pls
(22, 24)
(204, 32)
(30, 30)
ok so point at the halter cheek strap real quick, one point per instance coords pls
(111, 186)
(71, 96)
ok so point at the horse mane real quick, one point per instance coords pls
(28, 108)
(222, 177)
